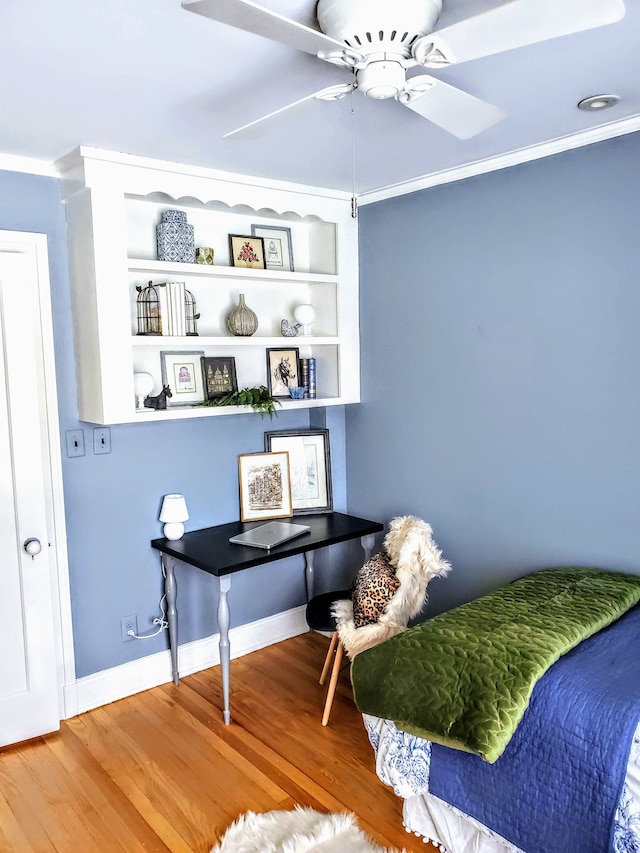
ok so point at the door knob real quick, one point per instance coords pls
(32, 546)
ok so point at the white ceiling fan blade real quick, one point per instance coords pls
(329, 93)
(519, 23)
(249, 16)
(453, 110)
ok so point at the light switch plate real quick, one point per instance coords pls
(101, 440)
(75, 442)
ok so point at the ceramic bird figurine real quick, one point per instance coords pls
(289, 330)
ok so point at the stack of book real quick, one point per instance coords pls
(172, 308)
(308, 377)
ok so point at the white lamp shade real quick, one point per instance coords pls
(142, 384)
(304, 314)
(174, 508)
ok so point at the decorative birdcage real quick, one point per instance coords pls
(190, 315)
(148, 310)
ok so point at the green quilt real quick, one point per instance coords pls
(463, 679)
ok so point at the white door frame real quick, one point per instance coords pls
(36, 245)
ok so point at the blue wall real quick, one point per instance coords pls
(501, 367)
(501, 401)
(112, 501)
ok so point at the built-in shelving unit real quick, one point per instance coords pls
(114, 203)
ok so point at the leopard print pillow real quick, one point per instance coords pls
(372, 589)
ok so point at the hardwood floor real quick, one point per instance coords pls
(160, 771)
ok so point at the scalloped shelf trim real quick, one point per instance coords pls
(218, 205)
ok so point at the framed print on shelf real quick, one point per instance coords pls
(278, 250)
(283, 370)
(265, 486)
(246, 251)
(182, 372)
(218, 376)
(309, 467)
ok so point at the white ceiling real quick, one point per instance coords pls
(146, 77)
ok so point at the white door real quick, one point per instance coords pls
(28, 676)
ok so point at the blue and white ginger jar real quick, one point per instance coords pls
(175, 238)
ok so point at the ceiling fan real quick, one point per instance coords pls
(378, 41)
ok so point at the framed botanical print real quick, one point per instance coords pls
(246, 251)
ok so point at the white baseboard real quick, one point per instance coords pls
(142, 674)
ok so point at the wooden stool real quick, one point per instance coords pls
(319, 618)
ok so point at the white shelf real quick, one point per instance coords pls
(175, 413)
(160, 268)
(113, 206)
(200, 341)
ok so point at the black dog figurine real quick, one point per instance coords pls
(160, 400)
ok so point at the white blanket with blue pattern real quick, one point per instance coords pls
(403, 763)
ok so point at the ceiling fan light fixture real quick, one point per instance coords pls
(381, 79)
(594, 103)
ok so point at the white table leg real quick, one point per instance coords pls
(368, 543)
(170, 591)
(308, 573)
(224, 585)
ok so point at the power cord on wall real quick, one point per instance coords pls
(160, 621)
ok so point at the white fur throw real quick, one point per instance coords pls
(299, 831)
(417, 560)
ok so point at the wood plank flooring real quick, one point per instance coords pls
(160, 771)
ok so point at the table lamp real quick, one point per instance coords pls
(173, 513)
(305, 315)
(142, 385)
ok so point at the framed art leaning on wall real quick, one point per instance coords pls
(182, 372)
(278, 252)
(309, 466)
(265, 486)
(283, 370)
(218, 376)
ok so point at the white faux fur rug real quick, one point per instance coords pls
(299, 831)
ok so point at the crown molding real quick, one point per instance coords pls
(169, 166)
(14, 163)
(503, 161)
(29, 165)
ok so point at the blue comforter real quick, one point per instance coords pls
(566, 763)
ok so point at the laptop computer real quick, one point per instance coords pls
(271, 534)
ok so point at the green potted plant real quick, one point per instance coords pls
(258, 398)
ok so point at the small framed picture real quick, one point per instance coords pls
(182, 372)
(278, 251)
(218, 376)
(265, 486)
(246, 251)
(309, 467)
(283, 370)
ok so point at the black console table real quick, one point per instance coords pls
(209, 549)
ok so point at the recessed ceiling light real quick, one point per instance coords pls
(597, 102)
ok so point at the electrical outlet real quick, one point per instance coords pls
(101, 440)
(128, 623)
(75, 442)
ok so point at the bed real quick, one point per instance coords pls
(512, 723)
